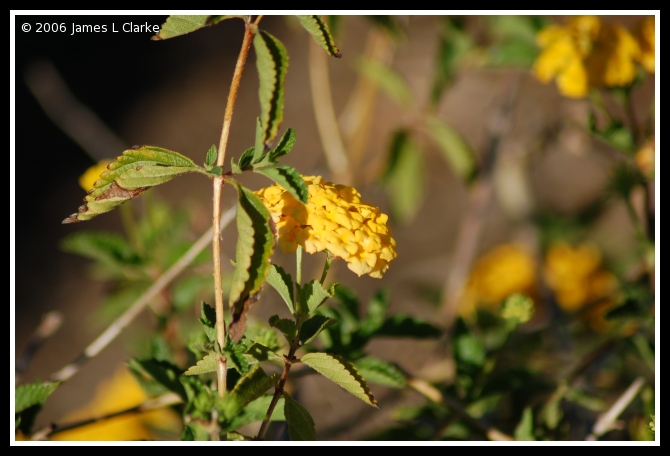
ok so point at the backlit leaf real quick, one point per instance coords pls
(177, 25)
(272, 64)
(381, 372)
(321, 34)
(312, 327)
(32, 394)
(204, 366)
(289, 178)
(283, 283)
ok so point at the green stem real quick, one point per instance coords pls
(326, 267)
(298, 265)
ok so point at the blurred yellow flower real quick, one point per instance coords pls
(645, 33)
(645, 158)
(585, 53)
(505, 270)
(119, 393)
(92, 174)
(334, 219)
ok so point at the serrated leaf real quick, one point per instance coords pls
(259, 145)
(300, 423)
(342, 372)
(404, 178)
(312, 295)
(404, 326)
(163, 372)
(284, 145)
(454, 148)
(287, 177)
(381, 372)
(524, 430)
(259, 352)
(129, 176)
(313, 326)
(208, 320)
(248, 388)
(210, 158)
(264, 336)
(283, 283)
(235, 354)
(204, 366)
(272, 63)
(286, 326)
(26, 396)
(255, 244)
(256, 412)
(388, 80)
(177, 25)
(321, 34)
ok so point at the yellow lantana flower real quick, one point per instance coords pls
(92, 174)
(645, 33)
(505, 270)
(334, 219)
(585, 53)
(116, 394)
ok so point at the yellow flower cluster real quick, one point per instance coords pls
(645, 33)
(334, 219)
(586, 53)
(119, 393)
(92, 174)
(577, 277)
(505, 270)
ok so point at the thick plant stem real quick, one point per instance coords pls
(250, 30)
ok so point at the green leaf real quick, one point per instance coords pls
(405, 326)
(259, 352)
(381, 372)
(552, 412)
(129, 176)
(208, 320)
(216, 171)
(616, 135)
(259, 146)
(186, 291)
(342, 372)
(311, 295)
(524, 430)
(204, 366)
(312, 327)
(286, 326)
(284, 146)
(388, 80)
(404, 177)
(595, 404)
(289, 178)
(165, 373)
(455, 44)
(177, 25)
(246, 158)
(256, 411)
(283, 283)
(26, 396)
(469, 349)
(300, 423)
(388, 24)
(454, 148)
(248, 388)
(321, 34)
(255, 244)
(109, 249)
(377, 308)
(210, 159)
(272, 63)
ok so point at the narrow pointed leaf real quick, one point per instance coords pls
(321, 34)
(248, 388)
(455, 150)
(404, 178)
(300, 423)
(163, 372)
(287, 177)
(204, 366)
(286, 326)
(177, 25)
(284, 146)
(388, 80)
(524, 430)
(272, 63)
(312, 327)
(342, 372)
(247, 158)
(208, 320)
(283, 283)
(259, 145)
(26, 396)
(255, 244)
(381, 372)
(129, 176)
